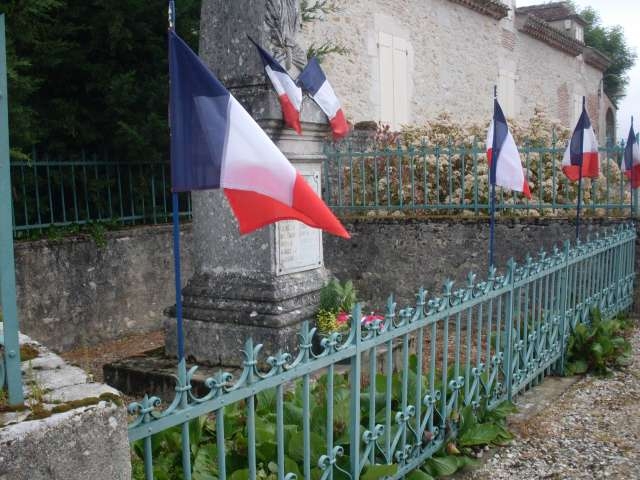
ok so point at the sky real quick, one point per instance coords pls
(625, 13)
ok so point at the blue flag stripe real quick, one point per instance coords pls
(628, 149)
(312, 77)
(500, 132)
(577, 139)
(198, 120)
(267, 59)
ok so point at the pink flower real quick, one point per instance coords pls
(367, 319)
(342, 317)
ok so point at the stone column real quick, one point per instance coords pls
(263, 284)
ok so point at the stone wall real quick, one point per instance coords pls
(72, 292)
(455, 57)
(399, 256)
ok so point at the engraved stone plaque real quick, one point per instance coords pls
(299, 247)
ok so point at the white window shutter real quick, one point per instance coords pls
(400, 69)
(385, 55)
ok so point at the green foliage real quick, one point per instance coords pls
(337, 297)
(468, 427)
(91, 74)
(336, 300)
(612, 42)
(598, 346)
(327, 322)
(315, 10)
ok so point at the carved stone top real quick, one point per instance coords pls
(283, 21)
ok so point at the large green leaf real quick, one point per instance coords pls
(479, 434)
(240, 475)
(204, 467)
(374, 472)
(419, 475)
(441, 466)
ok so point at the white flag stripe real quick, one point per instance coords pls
(252, 162)
(327, 99)
(509, 171)
(589, 144)
(284, 85)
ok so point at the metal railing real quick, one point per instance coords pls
(307, 415)
(450, 179)
(53, 192)
(10, 373)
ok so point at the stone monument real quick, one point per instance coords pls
(263, 284)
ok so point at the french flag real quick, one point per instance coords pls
(216, 144)
(631, 163)
(581, 156)
(289, 94)
(505, 166)
(313, 80)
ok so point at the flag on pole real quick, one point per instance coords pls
(289, 94)
(631, 164)
(582, 151)
(507, 171)
(216, 144)
(313, 80)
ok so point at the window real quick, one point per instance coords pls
(579, 33)
(507, 92)
(393, 55)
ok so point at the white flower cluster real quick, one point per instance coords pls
(443, 164)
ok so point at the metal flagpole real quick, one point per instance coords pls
(182, 388)
(580, 177)
(492, 181)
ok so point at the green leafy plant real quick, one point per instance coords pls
(337, 297)
(336, 302)
(467, 428)
(598, 346)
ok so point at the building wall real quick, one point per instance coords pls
(441, 75)
(455, 56)
(556, 81)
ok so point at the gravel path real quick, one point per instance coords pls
(591, 432)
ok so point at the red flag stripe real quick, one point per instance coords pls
(254, 210)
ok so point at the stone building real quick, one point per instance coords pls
(409, 60)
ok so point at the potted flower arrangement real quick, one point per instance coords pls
(334, 315)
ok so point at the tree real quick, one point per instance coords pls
(611, 42)
(91, 74)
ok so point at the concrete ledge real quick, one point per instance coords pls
(86, 442)
(68, 428)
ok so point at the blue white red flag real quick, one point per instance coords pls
(505, 166)
(289, 94)
(313, 80)
(216, 144)
(631, 164)
(582, 151)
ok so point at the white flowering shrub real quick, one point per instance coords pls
(441, 167)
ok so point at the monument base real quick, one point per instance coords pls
(221, 311)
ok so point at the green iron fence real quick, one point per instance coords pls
(54, 192)
(378, 400)
(452, 179)
(10, 373)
